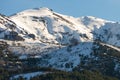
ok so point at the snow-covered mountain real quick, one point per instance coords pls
(57, 39)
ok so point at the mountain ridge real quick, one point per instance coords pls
(59, 40)
(86, 23)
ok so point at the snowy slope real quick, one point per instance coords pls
(8, 27)
(50, 26)
(28, 75)
(59, 40)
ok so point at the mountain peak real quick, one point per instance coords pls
(92, 18)
(42, 8)
(62, 38)
(35, 12)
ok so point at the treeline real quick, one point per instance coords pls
(10, 65)
(8, 61)
(61, 75)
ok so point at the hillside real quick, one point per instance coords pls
(60, 41)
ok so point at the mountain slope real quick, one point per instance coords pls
(48, 25)
(56, 27)
(58, 40)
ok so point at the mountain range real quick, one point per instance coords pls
(60, 41)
